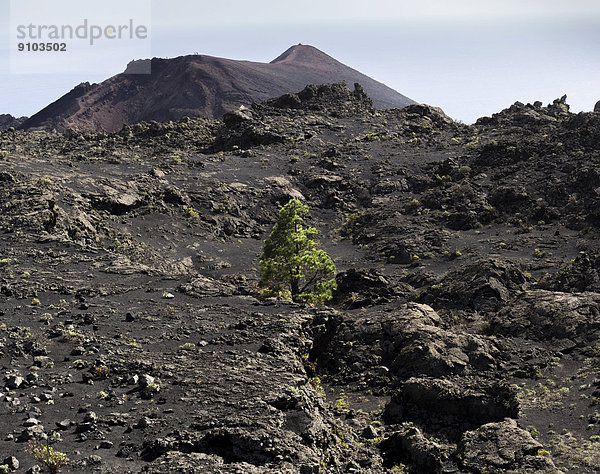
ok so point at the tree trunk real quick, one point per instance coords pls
(295, 286)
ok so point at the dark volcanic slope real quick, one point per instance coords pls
(463, 338)
(200, 86)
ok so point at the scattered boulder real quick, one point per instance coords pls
(32, 432)
(31, 422)
(64, 425)
(370, 432)
(173, 195)
(235, 117)
(116, 197)
(12, 463)
(422, 117)
(244, 129)
(282, 189)
(146, 381)
(14, 381)
(148, 386)
(201, 286)
(503, 447)
(410, 446)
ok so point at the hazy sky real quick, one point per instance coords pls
(470, 57)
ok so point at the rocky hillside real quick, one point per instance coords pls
(7, 121)
(198, 86)
(464, 335)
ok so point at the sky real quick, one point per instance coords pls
(472, 58)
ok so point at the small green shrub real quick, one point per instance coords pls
(341, 403)
(47, 455)
(193, 213)
(533, 431)
(317, 385)
(537, 253)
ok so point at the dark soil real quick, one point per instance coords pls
(463, 337)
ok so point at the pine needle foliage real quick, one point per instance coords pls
(291, 264)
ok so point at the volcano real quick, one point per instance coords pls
(199, 86)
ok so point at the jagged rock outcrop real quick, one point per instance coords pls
(334, 99)
(503, 447)
(486, 285)
(454, 404)
(551, 316)
(582, 274)
(8, 121)
(520, 114)
(400, 341)
(360, 288)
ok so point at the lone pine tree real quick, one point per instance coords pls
(290, 260)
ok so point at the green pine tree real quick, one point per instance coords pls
(290, 261)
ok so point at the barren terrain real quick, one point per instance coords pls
(463, 336)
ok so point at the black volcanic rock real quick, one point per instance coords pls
(326, 98)
(472, 400)
(579, 275)
(548, 315)
(503, 447)
(8, 121)
(199, 86)
(129, 261)
(520, 114)
(360, 288)
(484, 285)
(261, 125)
(410, 445)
